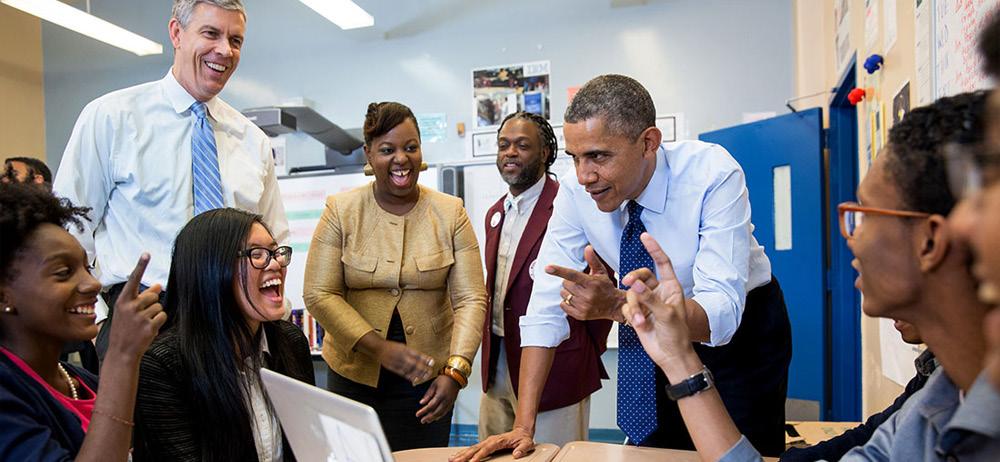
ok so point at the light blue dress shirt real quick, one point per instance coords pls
(698, 209)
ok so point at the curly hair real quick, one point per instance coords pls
(23, 208)
(915, 149)
(545, 133)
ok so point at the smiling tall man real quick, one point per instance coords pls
(147, 158)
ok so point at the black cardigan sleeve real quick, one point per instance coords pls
(163, 417)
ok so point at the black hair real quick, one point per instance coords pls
(624, 103)
(989, 46)
(383, 117)
(23, 208)
(916, 144)
(216, 344)
(546, 135)
(35, 167)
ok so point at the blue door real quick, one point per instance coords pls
(782, 158)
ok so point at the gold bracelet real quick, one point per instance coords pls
(113, 417)
(460, 364)
(455, 375)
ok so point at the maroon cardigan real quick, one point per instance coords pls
(577, 369)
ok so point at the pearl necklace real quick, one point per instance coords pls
(69, 380)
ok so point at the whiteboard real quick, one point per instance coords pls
(305, 198)
(957, 62)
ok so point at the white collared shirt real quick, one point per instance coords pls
(266, 428)
(129, 160)
(517, 211)
(696, 206)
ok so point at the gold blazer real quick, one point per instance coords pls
(364, 263)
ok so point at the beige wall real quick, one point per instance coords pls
(22, 118)
(815, 71)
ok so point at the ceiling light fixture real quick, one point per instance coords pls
(344, 13)
(71, 18)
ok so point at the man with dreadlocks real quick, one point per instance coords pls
(515, 226)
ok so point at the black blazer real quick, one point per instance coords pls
(164, 416)
(33, 424)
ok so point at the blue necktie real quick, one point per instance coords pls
(207, 184)
(636, 372)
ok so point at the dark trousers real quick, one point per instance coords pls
(396, 401)
(751, 374)
(110, 297)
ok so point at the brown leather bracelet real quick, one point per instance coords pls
(455, 375)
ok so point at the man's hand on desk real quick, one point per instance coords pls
(591, 295)
(517, 439)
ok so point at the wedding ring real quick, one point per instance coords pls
(569, 299)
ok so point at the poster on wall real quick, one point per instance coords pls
(841, 13)
(501, 90)
(957, 63)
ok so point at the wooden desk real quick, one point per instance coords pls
(542, 453)
(585, 451)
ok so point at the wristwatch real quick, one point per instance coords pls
(695, 384)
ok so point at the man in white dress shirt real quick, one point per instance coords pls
(692, 198)
(149, 157)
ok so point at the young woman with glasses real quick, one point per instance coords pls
(200, 396)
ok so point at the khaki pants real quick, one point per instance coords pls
(558, 426)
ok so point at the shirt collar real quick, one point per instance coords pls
(654, 197)
(978, 415)
(526, 197)
(181, 100)
(263, 341)
(939, 401)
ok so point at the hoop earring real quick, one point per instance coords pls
(368, 170)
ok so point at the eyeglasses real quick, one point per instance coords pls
(852, 214)
(971, 167)
(260, 257)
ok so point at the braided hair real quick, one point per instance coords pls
(545, 133)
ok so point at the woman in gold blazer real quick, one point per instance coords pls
(395, 278)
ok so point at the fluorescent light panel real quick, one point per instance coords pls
(71, 18)
(344, 13)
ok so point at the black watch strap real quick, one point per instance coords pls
(697, 383)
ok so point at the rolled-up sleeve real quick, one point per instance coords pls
(742, 451)
(271, 207)
(467, 290)
(324, 288)
(84, 177)
(722, 264)
(545, 324)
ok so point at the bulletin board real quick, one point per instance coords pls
(929, 51)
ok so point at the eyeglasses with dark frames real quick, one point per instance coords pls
(260, 257)
(852, 215)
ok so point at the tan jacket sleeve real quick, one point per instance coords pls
(324, 287)
(467, 290)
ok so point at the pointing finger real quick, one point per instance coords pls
(594, 261)
(131, 288)
(664, 268)
(566, 273)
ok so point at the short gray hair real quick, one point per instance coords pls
(183, 9)
(624, 103)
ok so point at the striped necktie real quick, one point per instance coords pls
(636, 372)
(207, 184)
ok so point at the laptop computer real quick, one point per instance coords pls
(323, 426)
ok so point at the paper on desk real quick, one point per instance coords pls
(348, 444)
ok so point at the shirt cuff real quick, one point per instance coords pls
(742, 451)
(101, 310)
(543, 330)
(721, 324)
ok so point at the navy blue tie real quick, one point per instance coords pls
(207, 181)
(636, 372)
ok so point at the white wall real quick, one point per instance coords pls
(712, 60)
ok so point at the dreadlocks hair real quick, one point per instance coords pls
(545, 133)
